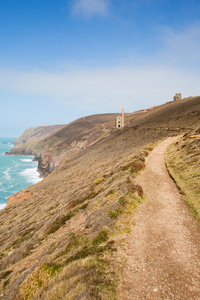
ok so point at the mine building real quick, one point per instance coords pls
(119, 121)
(178, 96)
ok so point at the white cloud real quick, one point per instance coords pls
(89, 8)
(108, 89)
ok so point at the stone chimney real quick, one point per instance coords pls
(119, 121)
(122, 125)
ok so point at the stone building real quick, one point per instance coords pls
(119, 121)
(178, 96)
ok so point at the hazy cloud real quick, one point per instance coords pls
(183, 46)
(132, 86)
(107, 89)
(89, 8)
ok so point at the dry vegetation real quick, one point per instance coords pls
(63, 241)
(183, 161)
(67, 234)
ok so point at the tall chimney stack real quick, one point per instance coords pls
(122, 125)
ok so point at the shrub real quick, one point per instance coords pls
(99, 180)
(135, 166)
(58, 222)
(122, 201)
(102, 237)
(5, 274)
(115, 213)
(135, 188)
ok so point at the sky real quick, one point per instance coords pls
(64, 59)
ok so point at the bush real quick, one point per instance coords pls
(135, 188)
(58, 222)
(99, 180)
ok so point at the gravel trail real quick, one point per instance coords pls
(162, 257)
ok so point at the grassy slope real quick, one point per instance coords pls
(63, 242)
(71, 139)
(26, 143)
(183, 162)
(36, 133)
(79, 130)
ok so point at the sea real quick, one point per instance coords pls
(16, 172)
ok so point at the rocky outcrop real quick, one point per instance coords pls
(18, 198)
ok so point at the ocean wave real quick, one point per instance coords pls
(6, 173)
(10, 145)
(31, 175)
(26, 159)
(2, 205)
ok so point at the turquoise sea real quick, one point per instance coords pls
(16, 172)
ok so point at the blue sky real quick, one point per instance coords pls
(60, 60)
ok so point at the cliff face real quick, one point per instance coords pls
(62, 238)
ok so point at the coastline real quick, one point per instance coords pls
(17, 172)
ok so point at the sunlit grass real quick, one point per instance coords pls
(183, 162)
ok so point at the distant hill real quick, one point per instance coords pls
(37, 133)
(26, 143)
(51, 145)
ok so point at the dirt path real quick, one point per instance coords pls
(163, 252)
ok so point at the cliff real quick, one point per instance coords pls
(63, 237)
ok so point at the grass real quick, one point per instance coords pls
(183, 163)
(96, 280)
(5, 274)
(99, 180)
(115, 213)
(59, 222)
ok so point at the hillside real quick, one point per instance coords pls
(65, 238)
(26, 143)
(63, 142)
(183, 162)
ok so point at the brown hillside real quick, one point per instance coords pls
(26, 143)
(71, 139)
(64, 241)
(183, 113)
